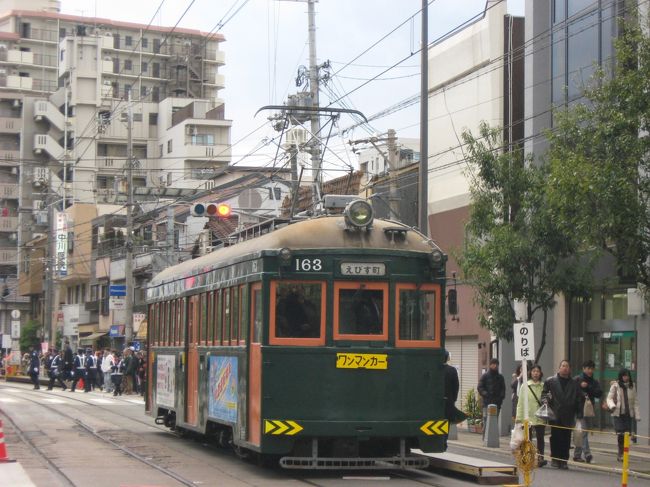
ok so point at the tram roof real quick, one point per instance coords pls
(328, 232)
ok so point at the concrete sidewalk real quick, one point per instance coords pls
(603, 448)
(14, 475)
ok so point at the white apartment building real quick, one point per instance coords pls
(67, 87)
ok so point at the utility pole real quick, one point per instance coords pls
(314, 89)
(390, 160)
(424, 124)
(170, 235)
(128, 264)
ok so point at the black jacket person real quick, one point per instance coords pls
(561, 394)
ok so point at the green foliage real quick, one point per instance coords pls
(514, 248)
(473, 408)
(599, 170)
(30, 335)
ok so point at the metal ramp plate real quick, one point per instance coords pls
(484, 472)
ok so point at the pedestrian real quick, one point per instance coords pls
(538, 426)
(117, 372)
(515, 385)
(560, 393)
(34, 367)
(492, 389)
(130, 368)
(99, 374)
(589, 391)
(68, 361)
(141, 372)
(107, 367)
(56, 371)
(452, 386)
(622, 403)
(91, 370)
(79, 373)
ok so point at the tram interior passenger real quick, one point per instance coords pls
(361, 311)
(297, 311)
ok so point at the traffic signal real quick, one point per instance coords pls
(214, 210)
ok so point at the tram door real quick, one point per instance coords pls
(192, 390)
(255, 367)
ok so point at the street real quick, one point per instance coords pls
(78, 439)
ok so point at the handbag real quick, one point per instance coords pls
(545, 413)
(588, 410)
(516, 436)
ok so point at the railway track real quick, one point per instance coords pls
(131, 445)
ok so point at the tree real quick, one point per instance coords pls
(599, 170)
(30, 334)
(513, 249)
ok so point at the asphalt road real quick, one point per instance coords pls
(78, 439)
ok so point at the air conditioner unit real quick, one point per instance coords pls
(17, 103)
(39, 205)
(41, 217)
(190, 130)
(38, 235)
(296, 137)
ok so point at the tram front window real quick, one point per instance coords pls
(361, 311)
(417, 315)
(298, 310)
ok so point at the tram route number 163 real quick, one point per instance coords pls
(309, 265)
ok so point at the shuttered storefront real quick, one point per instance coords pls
(464, 356)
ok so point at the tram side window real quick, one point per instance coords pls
(257, 313)
(218, 319)
(298, 309)
(418, 310)
(234, 334)
(243, 326)
(210, 336)
(204, 318)
(182, 316)
(226, 316)
(361, 311)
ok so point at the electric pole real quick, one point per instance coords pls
(313, 89)
(424, 124)
(128, 264)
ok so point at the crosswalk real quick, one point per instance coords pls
(59, 397)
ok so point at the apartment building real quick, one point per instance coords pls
(68, 87)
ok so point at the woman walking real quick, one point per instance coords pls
(535, 386)
(624, 407)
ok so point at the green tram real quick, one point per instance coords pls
(319, 344)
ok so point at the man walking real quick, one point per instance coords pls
(79, 369)
(589, 389)
(492, 389)
(107, 366)
(561, 394)
(451, 392)
(56, 371)
(91, 370)
(34, 367)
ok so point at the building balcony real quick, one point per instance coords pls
(15, 56)
(8, 224)
(219, 81)
(9, 191)
(107, 196)
(44, 110)
(215, 56)
(10, 125)
(8, 155)
(8, 256)
(45, 143)
(17, 82)
(213, 151)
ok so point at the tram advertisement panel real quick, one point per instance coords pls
(165, 382)
(223, 388)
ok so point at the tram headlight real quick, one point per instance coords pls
(359, 214)
(437, 259)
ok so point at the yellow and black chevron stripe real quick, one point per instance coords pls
(281, 427)
(440, 427)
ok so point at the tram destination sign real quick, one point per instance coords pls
(363, 269)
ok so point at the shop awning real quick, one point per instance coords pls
(91, 338)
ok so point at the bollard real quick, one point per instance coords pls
(626, 459)
(453, 432)
(491, 438)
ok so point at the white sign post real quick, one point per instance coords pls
(524, 338)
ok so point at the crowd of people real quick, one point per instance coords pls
(113, 371)
(568, 405)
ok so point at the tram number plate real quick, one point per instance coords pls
(363, 269)
(377, 361)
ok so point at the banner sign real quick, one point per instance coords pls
(61, 244)
(524, 338)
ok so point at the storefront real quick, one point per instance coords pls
(601, 329)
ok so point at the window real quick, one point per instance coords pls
(143, 91)
(418, 315)
(257, 313)
(81, 30)
(128, 40)
(62, 32)
(243, 326)
(360, 311)
(204, 317)
(153, 119)
(234, 333)
(226, 316)
(218, 321)
(169, 146)
(128, 65)
(127, 90)
(278, 193)
(144, 67)
(145, 42)
(297, 313)
(161, 150)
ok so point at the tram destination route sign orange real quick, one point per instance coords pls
(375, 361)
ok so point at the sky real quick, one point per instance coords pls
(266, 42)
